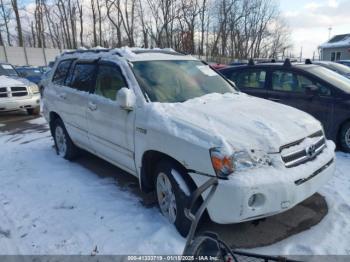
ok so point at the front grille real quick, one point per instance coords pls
(303, 151)
(19, 91)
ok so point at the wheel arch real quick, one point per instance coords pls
(150, 159)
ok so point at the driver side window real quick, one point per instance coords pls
(109, 81)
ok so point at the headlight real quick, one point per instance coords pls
(34, 89)
(224, 163)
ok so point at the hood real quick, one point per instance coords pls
(244, 122)
(13, 81)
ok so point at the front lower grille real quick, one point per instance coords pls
(303, 151)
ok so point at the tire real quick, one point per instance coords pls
(178, 198)
(33, 111)
(344, 137)
(63, 143)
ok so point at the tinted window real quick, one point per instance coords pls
(61, 72)
(249, 78)
(178, 80)
(293, 82)
(83, 77)
(108, 81)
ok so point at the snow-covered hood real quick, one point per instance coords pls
(242, 121)
(6, 81)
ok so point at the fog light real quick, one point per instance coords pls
(256, 200)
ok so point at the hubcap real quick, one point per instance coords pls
(60, 141)
(166, 197)
(347, 138)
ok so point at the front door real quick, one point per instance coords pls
(111, 128)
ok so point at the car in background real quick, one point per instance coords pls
(344, 62)
(44, 81)
(31, 73)
(216, 66)
(17, 93)
(336, 67)
(311, 88)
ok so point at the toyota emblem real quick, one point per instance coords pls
(311, 151)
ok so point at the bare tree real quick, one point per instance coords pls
(18, 22)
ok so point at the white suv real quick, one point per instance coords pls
(17, 93)
(172, 121)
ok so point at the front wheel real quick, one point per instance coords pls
(345, 137)
(63, 143)
(171, 196)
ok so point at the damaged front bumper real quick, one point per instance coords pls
(262, 192)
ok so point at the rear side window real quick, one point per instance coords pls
(109, 81)
(83, 77)
(61, 72)
(249, 78)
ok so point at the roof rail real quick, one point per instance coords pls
(308, 61)
(79, 51)
(287, 63)
(251, 62)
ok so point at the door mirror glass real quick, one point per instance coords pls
(311, 89)
(126, 98)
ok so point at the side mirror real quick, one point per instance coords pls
(126, 98)
(311, 89)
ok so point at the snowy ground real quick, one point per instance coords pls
(52, 206)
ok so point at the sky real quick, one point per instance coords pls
(309, 21)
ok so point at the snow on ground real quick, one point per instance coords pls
(51, 206)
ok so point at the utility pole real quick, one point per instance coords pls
(329, 32)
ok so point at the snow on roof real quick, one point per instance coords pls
(129, 54)
(337, 41)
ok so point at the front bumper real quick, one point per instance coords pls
(276, 189)
(16, 103)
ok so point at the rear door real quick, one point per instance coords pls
(80, 83)
(111, 128)
(252, 81)
(286, 86)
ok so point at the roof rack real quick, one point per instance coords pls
(87, 51)
(158, 51)
(287, 63)
(308, 61)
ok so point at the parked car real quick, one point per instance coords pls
(216, 66)
(344, 62)
(31, 73)
(336, 67)
(17, 93)
(172, 121)
(311, 88)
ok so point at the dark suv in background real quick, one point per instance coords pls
(311, 88)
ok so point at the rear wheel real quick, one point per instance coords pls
(345, 137)
(64, 145)
(171, 197)
(33, 111)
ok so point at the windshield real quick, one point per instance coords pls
(341, 69)
(178, 80)
(331, 77)
(7, 70)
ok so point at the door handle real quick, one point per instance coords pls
(92, 106)
(63, 96)
(274, 99)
